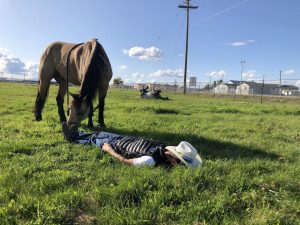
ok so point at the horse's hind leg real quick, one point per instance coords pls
(62, 89)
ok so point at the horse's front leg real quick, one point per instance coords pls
(90, 123)
(101, 111)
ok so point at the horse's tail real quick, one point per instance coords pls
(40, 100)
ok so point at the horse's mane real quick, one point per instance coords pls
(95, 70)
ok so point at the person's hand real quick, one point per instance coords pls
(109, 149)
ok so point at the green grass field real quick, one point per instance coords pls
(250, 172)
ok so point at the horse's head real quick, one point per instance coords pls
(79, 109)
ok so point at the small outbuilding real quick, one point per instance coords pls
(289, 90)
(225, 88)
(254, 88)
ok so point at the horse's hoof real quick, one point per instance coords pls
(62, 120)
(38, 118)
(90, 126)
(101, 126)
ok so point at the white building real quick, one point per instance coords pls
(225, 88)
(289, 90)
(247, 88)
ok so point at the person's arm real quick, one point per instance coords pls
(141, 161)
(107, 148)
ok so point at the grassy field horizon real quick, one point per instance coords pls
(250, 153)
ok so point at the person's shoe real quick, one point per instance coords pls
(70, 131)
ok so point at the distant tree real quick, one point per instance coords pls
(118, 81)
(207, 87)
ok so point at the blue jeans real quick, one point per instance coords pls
(98, 139)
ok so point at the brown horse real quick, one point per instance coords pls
(83, 64)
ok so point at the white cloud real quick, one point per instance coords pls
(3, 52)
(158, 76)
(141, 53)
(289, 72)
(138, 75)
(123, 67)
(217, 74)
(298, 83)
(250, 74)
(134, 78)
(10, 64)
(167, 73)
(241, 43)
(32, 68)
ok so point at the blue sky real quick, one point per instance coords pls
(145, 40)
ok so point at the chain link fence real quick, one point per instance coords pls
(288, 87)
(17, 78)
(257, 87)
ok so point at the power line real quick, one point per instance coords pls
(168, 25)
(258, 15)
(156, 39)
(221, 12)
(176, 43)
(238, 36)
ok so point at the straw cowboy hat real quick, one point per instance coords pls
(186, 153)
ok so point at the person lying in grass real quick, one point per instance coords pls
(136, 152)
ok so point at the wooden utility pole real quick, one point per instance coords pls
(280, 82)
(242, 63)
(280, 77)
(187, 6)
